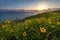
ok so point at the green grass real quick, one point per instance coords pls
(45, 26)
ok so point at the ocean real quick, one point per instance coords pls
(13, 15)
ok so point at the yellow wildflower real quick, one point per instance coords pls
(48, 33)
(29, 21)
(49, 22)
(37, 19)
(53, 26)
(24, 34)
(11, 30)
(26, 27)
(42, 18)
(7, 21)
(58, 23)
(4, 26)
(42, 29)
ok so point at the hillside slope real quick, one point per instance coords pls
(45, 26)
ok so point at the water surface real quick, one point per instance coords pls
(13, 15)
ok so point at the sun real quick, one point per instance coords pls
(42, 7)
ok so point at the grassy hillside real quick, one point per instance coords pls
(45, 26)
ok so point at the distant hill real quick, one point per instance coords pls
(46, 10)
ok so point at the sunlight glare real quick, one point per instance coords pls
(42, 7)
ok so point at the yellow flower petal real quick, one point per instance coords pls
(24, 34)
(42, 29)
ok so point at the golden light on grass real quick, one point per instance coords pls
(58, 23)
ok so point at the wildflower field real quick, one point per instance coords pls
(45, 26)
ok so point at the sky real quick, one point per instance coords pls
(28, 4)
